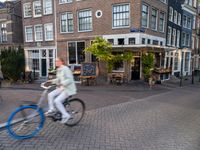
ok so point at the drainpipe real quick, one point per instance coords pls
(181, 76)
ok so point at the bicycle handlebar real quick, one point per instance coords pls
(45, 87)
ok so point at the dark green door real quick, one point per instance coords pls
(135, 69)
(44, 67)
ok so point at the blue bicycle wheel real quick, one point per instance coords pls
(25, 122)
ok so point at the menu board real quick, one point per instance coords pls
(88, 69)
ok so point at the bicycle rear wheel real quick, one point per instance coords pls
(25, 122)
(76, 108)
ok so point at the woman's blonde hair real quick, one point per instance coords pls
(61, 59)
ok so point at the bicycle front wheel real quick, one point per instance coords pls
(25, 122)
(76, 108)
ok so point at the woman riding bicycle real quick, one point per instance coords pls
(65, 88)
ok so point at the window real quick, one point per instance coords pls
(76, 54)
(38, 33)
(179, 19)
(192, 42)
(120, 41)
(4, 35)
(162, 22)
(195, 3)
(174, 37)
(65, 1)
(111, 41)
(66, 23)
(155, 42)
(47, 7)
(194, 22)
(37, 9)
(189, 23)
(187, 58)
(27, 10)
(85, 20)
(121, 15)
(178, 39)
(187, 43)
(170, 14)
(131, 41)
(154, 19)
(48, 30)
(175, 17)
(183, 38)
(33, 60)
(145, 15)
(176, 61)
(29, 34)
(143, 41)
(149, 41)
(185, 21)
(169, 34)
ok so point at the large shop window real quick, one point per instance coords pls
(75, 51)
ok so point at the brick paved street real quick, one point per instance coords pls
(167, 120)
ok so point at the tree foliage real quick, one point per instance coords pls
(102, 49)
(148, 64)
(12, 63)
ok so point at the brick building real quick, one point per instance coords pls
(10, 24)
(39, 35)
(130, 25)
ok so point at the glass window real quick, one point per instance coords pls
(185, 21)
(4, 35)
(169, 34)
(65, 1)
(170, 14)
(27, 10)
(111, 41)
(37, 9)
(85, 20)
(47, 7)
(48, 30)
(187, 40)
(66, 22)
(189, 22)
(176, 61)
(178, 39)
(174, 37)
(145, 15)
(29, 34)
(76, 53)
(175, 17)
(162, 22)
(187, 58)
(121, 15)
(119, 65)
(131, 41)
(38, 33)
(183, 39)
(154, 19)
(179, 19)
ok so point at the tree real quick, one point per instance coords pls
(102, 49)
(12, 63)
(148, 64)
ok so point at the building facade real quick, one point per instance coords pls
(39, 31)
(130, 25)
(11, 34)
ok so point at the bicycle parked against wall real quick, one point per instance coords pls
(27, 120)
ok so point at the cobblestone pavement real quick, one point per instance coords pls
(166, 121)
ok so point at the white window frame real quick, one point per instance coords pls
(147, 16)
(45, 33)
(87, 30)
(47, 10)
(36, 38)
(163, 27)
(37, 15)
(178, 33)
(171, 14)
(169, 36)
(174, 37)
(67, 22)
(175, 16)
(156, 19)
(26, 33)
(179, 19)
(121, 26)
(24, 6)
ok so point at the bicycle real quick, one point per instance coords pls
(27, 120)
